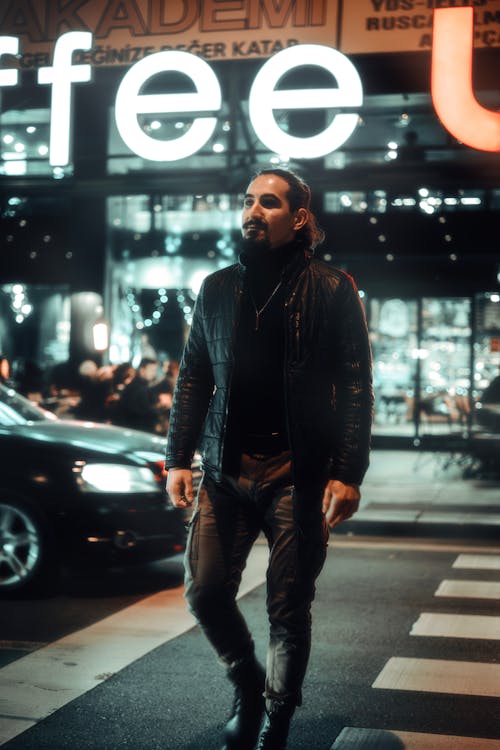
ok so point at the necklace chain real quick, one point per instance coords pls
(258, 312)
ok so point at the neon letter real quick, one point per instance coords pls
(129, 103)
(263, 99)
(9, 45)
(451, 81)
(61, 75)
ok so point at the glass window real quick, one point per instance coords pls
(486, 391)
(444, 355)
(34, 324)
(393, 334)
(421, 364)
(161, 247)
(24, 140)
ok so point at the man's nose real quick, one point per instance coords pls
(255, 210)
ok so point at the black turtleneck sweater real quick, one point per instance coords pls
(257, 405)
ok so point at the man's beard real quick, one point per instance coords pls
(255, 248)
(255, 242)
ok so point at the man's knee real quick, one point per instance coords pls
(207, 600)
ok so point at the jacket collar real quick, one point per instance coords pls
(299, 256)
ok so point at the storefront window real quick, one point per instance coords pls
(486, 392)
(422, 359)
(34, 324)
(444, 354)
(393, 333)
(160, 248)
(24, 144)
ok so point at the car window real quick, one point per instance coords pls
(15, 409)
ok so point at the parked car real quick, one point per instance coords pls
(73, 489)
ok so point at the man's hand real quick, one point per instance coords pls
(180, 487)
(340, 501)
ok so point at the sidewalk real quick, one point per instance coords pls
(423, 494)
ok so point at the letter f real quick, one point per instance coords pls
(9, 45)
(61, 75)
(451, 81)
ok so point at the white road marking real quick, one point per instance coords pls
(440, 676)
(457, 626)
(354, 738)
(342, 540)
(482, 562)
(37, 685)
(469, 589)
(21, 645)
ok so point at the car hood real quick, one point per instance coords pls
(91, 436)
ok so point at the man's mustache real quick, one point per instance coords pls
(254, 224)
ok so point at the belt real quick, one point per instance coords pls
(268, 443)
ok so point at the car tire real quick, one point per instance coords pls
(26, 553)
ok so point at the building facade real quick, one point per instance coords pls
(129, 131)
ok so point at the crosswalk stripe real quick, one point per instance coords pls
(457, 626)
(482, 562)
(354, 738)
(44, 681)
(440, 676)
(469, 589)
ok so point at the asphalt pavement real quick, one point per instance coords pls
(405, 647)
(394, 663)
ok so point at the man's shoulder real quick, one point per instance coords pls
(331, 274)
(222, 276)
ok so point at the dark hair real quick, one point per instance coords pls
(145, 361)
(299, 196)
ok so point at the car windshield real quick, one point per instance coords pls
(15, 409)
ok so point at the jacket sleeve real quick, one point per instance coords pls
(192, 394)
(353, 390)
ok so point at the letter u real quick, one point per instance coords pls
(451, 81)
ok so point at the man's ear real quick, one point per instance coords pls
(300, 219)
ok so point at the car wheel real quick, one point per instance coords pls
(25, 556)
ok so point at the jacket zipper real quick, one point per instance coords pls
(285, 375)
(230, 382)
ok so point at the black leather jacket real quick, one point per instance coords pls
(327, 374)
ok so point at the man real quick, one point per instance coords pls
(276, 379)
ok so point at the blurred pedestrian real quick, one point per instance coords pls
(94, 387)
(275, 384)
(137, 406)
(31, 381)
(4, 370)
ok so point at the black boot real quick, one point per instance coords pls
(242, 729)
(274, 733)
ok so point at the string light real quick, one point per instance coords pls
(19, 303)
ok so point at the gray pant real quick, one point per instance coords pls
(227, 519)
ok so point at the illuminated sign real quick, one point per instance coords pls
(60, 76)
(452, 94)
(129, 104)
(451, 82)
(264, 98)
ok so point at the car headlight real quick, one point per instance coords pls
(116, 478)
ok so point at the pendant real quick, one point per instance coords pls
(257, 320)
